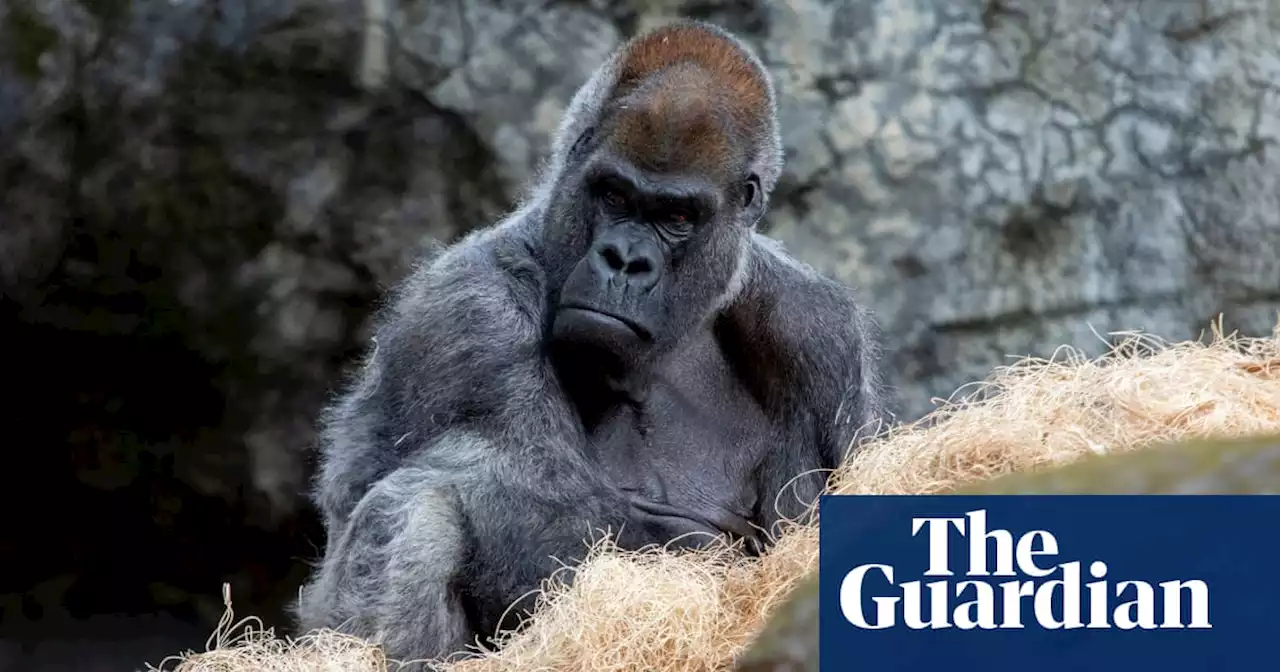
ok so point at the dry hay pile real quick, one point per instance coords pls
(656, 611)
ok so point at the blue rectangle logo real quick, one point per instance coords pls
(1048, 582)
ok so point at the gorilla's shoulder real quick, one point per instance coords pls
(797, 287)
(491, 269)
(494, 254)
(832, 337)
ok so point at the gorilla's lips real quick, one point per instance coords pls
(602, 321)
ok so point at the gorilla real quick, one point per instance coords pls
(623, 352)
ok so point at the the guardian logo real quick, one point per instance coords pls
(1051, 594)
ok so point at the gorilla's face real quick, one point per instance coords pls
(662, 253)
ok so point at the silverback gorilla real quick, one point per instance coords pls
(623, 352)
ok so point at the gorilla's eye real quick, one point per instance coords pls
(677, 216)
(613, 197)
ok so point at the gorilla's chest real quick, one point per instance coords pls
(694, 441)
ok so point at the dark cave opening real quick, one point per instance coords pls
(98, 518)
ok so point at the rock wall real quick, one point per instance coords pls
(202, 200)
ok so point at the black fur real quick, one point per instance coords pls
(466, 461)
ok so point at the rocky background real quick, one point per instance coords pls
(202, 200)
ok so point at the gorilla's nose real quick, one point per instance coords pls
(630, 262)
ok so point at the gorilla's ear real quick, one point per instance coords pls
(752, 200)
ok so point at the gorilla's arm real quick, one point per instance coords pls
(452, 470)
(457, 349)
(814, 352)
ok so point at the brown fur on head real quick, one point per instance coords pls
(735, 79)
(674, 123)
(683, 94)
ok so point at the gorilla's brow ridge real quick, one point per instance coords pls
(667, 189)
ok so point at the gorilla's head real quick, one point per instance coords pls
(661, 193)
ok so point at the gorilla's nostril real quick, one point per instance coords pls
(613, 258)
(639, 266)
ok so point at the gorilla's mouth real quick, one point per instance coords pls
(606, 320)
